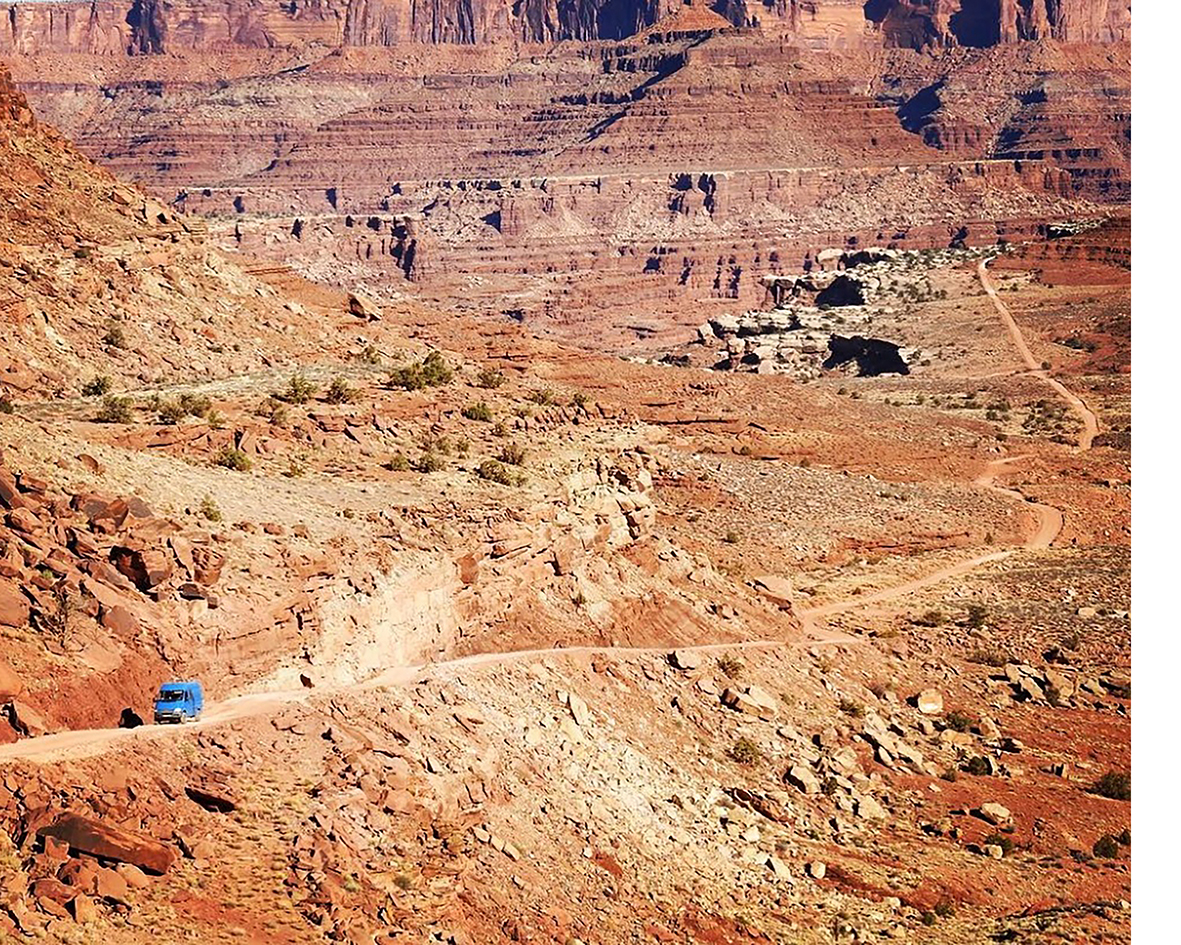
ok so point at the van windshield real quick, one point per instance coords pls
(172, 695)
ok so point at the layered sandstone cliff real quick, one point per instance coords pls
(158, 26)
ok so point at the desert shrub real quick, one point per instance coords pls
(462, 445)
(397, 463)
(987, 657)
(478, 411)
(170, 411)
(851, 708)
(299, 390)
(490, 379)
(495, 471)
(115, 337)
(579, 400)
(6, 404)
(209, 509)
(274, 411)
(957, 721)
(977, 616)
(231, 458)
(745, 752)
(977, 765)
(928, 918)
(1106, 847)
(1000, 840)
(1115, 786)
(944, 909)
(370, 355)
(195, 405)
(115, 410)
(949, 775)
(930, 618)
(428, 462)
(544, 398)
(499, 430)
(730, 666)
(830, 786)
(1124, 837)
(513, 454)
(1072, 641)
(730, 538)
(339, 392)
(215, 420)
(431, 371)
(97, 387)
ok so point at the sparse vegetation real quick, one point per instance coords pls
(232, 458)
(115, 410)
(6, 404)
(731, 537)
(1000, 840)
(1115, 786)
(97, 387)
(513, 454)
(987, 657)
(490, 379)
(299, 390)
(478, 411)
(930, 618)
(115, 337)
(397, 463)
(209, 509)
(745, 752)
(957, 721)
(495, 471)
(977, 765)
(544, 398)
(428, 462)
(431, 371)
(730, 666)
(977, 616)
(852, 709)
(1106, 847)
(339, 392)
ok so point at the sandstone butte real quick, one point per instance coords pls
(622, 472)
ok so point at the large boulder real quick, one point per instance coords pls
(14, 607)
(752, 701)
(11, 685)
(108, 842)
(775, 590)
(146, 567)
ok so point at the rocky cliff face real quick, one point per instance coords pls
(980, 23)
(159, 26)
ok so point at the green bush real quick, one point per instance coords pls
(957, 721)
(478, 411)
(1000, 840)
(231, 458)
(299, 390)
(97, 387)
(339, 392)
(1115, 786)
(397, 463)
(544, 398)
(115, 410)
(490, 379)
(431, 371)
(495, 471)
(428, 462)
(195, 405)
(977, 765)
(170, 411)
(745, 752)
(274, 411)
(513, 454)
(210, 510)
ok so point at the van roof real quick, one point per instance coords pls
(179, 683)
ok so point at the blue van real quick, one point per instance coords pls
(179, 702)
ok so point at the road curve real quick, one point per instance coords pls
(80, 743)
(1090, 422)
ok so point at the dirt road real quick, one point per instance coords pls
(1090, 422)
(89, 742)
